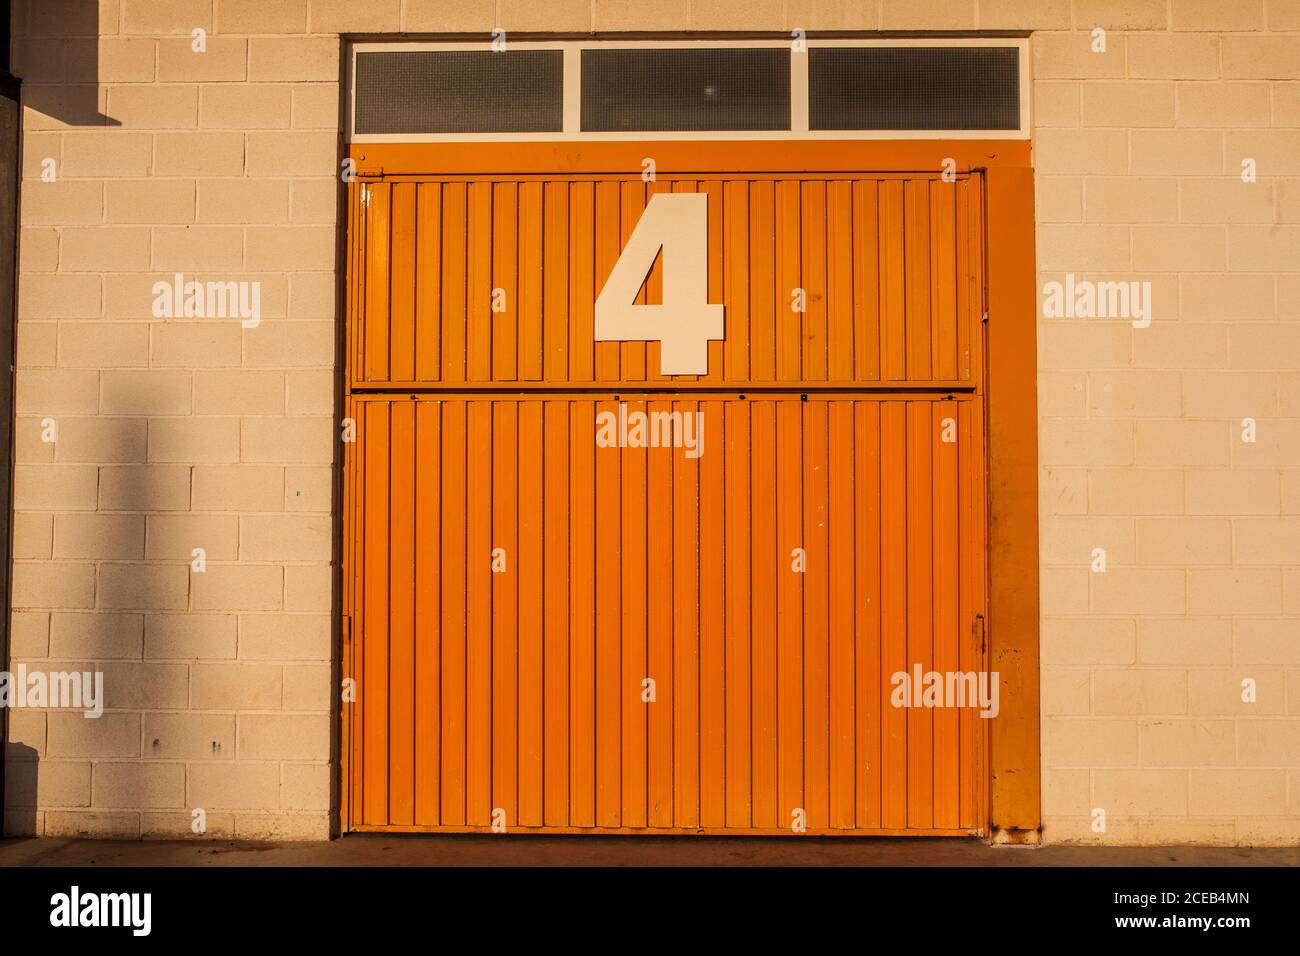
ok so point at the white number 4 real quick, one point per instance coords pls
(678, 223)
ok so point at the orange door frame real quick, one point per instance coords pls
(1014, 778)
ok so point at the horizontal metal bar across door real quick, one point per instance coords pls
(824, 279)
(576, 613)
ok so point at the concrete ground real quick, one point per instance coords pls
(476, 850)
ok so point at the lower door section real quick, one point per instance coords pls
(715, 613)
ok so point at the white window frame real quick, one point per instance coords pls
(572, 49)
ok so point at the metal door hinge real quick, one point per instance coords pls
(365, 195)
(979, 626)
(985, 318)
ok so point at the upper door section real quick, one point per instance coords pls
(810, 277)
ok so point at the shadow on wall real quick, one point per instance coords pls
(21, 773)
(55, 51)
(136, 635)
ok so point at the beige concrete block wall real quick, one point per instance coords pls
(183, 433)
(1139, 159)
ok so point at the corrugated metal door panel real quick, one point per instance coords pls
(770, 588)
(825, 281)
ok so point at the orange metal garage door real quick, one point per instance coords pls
(550, 632)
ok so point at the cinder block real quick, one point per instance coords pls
(305, 786)
(317, 106)
(199, 154)
(1087, 641)
(239, 488)
(56, 392)
(291, 155)
(137, 106)
(1210, 16)
(308, 588)
(282, 826)
(245, 106)
(150, 201)
(189, 736)
(94, 637)
(1128, 104)
(1140, 591)
(1218, 692)
(1237, 791)
(59, 297)
(104, 249)
(479, 16)
(144, 488)
(190, 636)
(1232, 492)
(309, 489)
(174, 537)
(897, 15)
(1128, 199)
(66, 202)
(223, 58)
(227, 587)
(243, 201)
(297, 59)
(194, 440)
(1181, 443)
(1234, 591)
(46, 584)
(1082, 442)
(294, 441)
(198, 248)
(230, 687)
(1179, 248)
(343, 16)
(180, 825)
(258, 16)
(115, 537)
(91, 154)
(1179, 152)
(152, 392)
(1068, 56)
(1141, 793)
(143, 587)
(284, 637)
(285, 538)
(1070, 541)
(111, 735)
(1171, 56)
(1180, 542)
(1089, 742)
(1261, 57)
(33, 537)
(197, 343)
(165, 16)
(1184, 641)
(60, 487)
(290, 345)
(139, 785)
(127, 59)
(1269, 541)
(310, 392)
(308, 687)
(1118, 394)
(123, 825)
(1224, 104)
(98, 345)
(284, 737)
(1269, 642)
